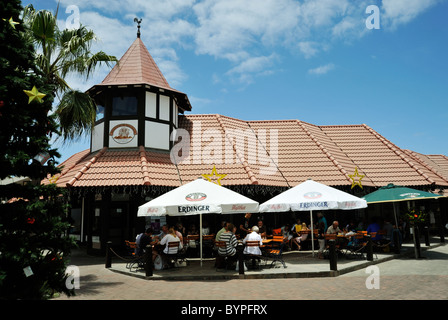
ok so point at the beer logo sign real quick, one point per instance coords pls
(196, 196)
(312, 195)
(123, 133)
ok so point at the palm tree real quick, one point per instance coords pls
(59, 53)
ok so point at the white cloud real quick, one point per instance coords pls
(322, 69)
(254, 66)
(397, 12)
(243, 33)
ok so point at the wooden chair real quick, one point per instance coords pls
(253, 257)
(221, 261)
(135, 262)
(174, 254)
(275, 252)
(356, 249)
(207, 245)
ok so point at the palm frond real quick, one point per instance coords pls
(76, 112)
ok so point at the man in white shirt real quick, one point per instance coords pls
(253, 236)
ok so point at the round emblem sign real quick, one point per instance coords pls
(196, 196)
(123, 133)
(312, 195)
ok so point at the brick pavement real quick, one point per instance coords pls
(401, 278)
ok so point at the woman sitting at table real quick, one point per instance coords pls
(171, 237)
(302, 235)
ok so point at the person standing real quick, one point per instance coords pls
(245, 226)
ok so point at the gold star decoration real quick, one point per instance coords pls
(53, 178)
(356, 175)
(214, 174)
(34, 94)
(12, 23)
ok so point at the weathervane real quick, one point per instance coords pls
(138, 26)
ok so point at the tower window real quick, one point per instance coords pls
(124, 106)
(99, 112)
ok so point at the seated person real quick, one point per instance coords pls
(300, 236)
(229, 238)
(253, 236)
(192, 231)
(261, 228)
(143, 240)
(171, 237)
(374, 227)
(223, 229)
(334, 228)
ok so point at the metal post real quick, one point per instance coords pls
(417, 242)
(442, 233)
(396, 239)
(148, 261)
(240, 249)
(426, 233)
(369, 248)
(333, 255)
(108, 255)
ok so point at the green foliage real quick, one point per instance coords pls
(415, 217)
(63, 52)
(33, 217)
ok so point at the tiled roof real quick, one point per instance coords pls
(247, 153)
(136, 67)
(437, 163)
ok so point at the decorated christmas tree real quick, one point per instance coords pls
(34, 245)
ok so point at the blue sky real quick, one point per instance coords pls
(312, 60)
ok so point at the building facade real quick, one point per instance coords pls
(144, 144)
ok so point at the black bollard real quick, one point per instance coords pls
(147, 258)
(108, 255)
(240, 249)
(396, 240)
(426, 233)
(369, 248)
(333, 255)
(417, 242)
(442, 233)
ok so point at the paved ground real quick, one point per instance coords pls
(403, 278)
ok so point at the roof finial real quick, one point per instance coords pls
(138, 26)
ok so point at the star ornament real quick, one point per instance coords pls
(356, 178)
(214, 174)
(34, 95)
(12, 23)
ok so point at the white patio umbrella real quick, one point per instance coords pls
(197, 198)
(309, 196)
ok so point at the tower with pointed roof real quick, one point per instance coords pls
(135, 104)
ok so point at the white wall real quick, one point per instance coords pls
(150, 105)
(157, 135)
(98, 137)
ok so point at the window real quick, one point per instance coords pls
(124, 106)
(99, 112)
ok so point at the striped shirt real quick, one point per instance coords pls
(231, 243)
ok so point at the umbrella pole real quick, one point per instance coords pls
(395, 215)
(200, 236)
(312, 231)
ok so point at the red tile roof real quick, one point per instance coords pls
(248, 153)
(136, 67)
